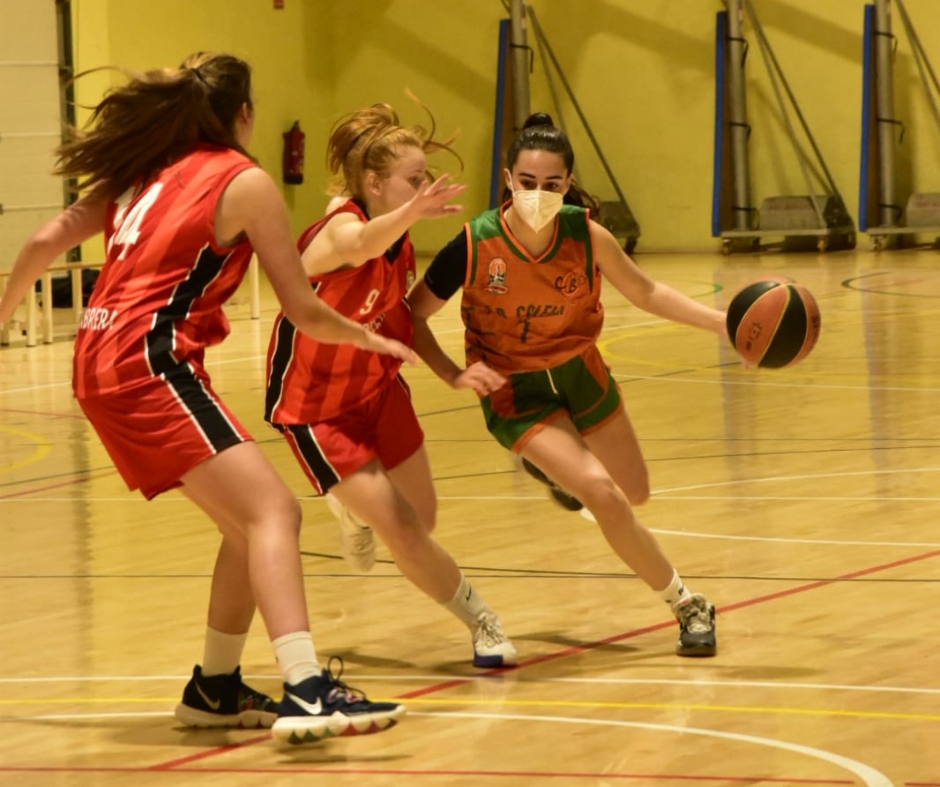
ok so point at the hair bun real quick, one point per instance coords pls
(539, 119)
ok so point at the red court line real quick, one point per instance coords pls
(668, 623)
(616, 638)
(172, 764)
(80, 416)
(701, 779)
(34, 490)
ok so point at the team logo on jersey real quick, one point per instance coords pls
(497, 276)
(571, 282)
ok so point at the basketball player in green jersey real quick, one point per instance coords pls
(530, 272)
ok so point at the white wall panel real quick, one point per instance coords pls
(30, 120)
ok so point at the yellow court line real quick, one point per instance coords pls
(586, 704)
(43, 447)
(675, 707)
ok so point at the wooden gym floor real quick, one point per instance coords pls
(804, 502)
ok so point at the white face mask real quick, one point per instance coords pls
(536, 208)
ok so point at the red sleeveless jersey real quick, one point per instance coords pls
(158, 300)
(308, 381)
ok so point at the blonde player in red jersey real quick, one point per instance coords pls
(531, 272)
(182, 207)
(346, 412)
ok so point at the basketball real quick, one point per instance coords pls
(773, 323)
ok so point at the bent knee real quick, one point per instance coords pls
(638, 492)
(602, 494)
(282, 513)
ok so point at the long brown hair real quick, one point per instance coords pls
(142, 127)
(365, 140)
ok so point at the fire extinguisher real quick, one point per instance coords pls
(294, 154)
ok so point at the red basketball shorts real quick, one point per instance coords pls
(384, 428)
(158, 429)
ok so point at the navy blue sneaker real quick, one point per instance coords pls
(322, 706)
(224, 701)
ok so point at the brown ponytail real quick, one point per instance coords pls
(140, 128)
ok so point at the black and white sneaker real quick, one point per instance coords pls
(322, 706)
(559, 495)
(224, 701)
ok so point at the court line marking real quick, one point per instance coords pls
(680, 706)
(674, 378)
(437, 678)
(766, 710)
(41, 450)
(447, 684)
(870, 776)
(671, 376)
(436, 772)
(779, 479)
(805, 498)
(783, 540)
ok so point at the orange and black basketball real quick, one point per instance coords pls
(773, 323)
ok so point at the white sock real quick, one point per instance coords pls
(296, 656)
(466, 604)
(222, 652)
(675, 591)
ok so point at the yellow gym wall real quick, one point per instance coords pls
(642, 72)
(290, 51)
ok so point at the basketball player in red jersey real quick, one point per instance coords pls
(346, 412)
(182, 207)
(530, 273)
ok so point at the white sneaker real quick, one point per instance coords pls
(491, 648)
(356, 540)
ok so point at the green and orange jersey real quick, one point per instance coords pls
(525, 313)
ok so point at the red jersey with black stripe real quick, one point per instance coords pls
(158, 301)
(309, 381)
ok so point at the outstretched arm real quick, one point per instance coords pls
(75, 224)
(253, 205)
(347, 241)
(646, 293)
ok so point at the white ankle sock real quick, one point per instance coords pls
(296, 656)
(675, 591)
(222, 652)
(466, 604)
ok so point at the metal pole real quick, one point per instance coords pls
(737, 117)
(920, 58)
(884, 104)
(543, 45)
(775, 72)
(577, 107)
(520, 64)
